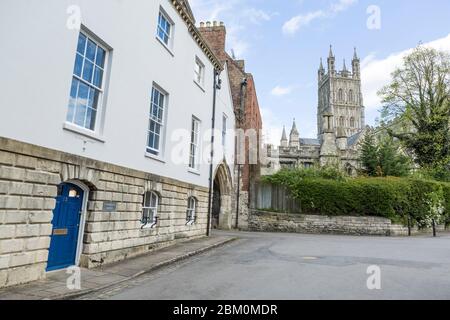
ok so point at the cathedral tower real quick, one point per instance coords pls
(340, 95)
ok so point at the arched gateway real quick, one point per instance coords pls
(222, 195)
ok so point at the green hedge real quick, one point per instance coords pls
(393, 198)
(446, 188)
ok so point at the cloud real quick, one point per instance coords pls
(272, 126)
(342, 5)
(294, 24)
(279, 91)
(237, 15)
(257, 16)
(376, 73)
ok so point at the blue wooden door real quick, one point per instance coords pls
(66, 225)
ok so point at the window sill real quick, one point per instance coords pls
(149, 226)
(165, 46)
(193, 171)
(153, 157)
(200, 86)
(190, 223)
(84, 132)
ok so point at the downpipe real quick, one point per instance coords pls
(241, 119)
(217, 86)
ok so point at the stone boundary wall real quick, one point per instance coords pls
(29, 176)
(314, 224)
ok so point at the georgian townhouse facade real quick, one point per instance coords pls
(105, 131)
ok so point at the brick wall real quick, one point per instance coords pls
(215, 35)
(29, 176)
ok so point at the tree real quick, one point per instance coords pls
(383, 159)
(391, 161)
(369, 155)
(420, 95)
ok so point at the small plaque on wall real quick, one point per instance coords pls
(109, 206)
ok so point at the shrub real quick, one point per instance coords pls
(393, 198)
(436, 173)
(287, 176)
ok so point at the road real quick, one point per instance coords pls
(294, 266)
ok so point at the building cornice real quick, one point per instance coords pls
(196, 35)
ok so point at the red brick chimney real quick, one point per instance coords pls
(215, 34)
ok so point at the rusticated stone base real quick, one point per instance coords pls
(29, 176)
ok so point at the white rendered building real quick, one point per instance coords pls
(105, 130)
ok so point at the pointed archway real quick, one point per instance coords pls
(222, 195)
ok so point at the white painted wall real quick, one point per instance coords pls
(37, 60)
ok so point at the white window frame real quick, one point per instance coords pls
(150, 223)
(191, 213)
(169, 45)
(71, 125)
(194, 145)
(199, 72)
(151, 151)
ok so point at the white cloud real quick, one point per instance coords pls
(272, 126)
(294, 24)
(281, 91)
(237, 16)
(342, 5)
(256, 16)
(376, 73)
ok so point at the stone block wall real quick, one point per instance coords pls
(314, 224)
(399, 230)
(29, 176)
(27, 198)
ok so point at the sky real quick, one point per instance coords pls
(282, 42)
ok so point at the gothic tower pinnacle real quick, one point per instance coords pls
(284, 140)
(331, 62)
(356, 66)
(321, 70)
(294, 137)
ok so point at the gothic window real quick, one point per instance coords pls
(341, 122)
(352, 122)
(351, 97)
(341, 95)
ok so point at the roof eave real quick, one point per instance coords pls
(196, 35)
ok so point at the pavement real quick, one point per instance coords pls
(54, 287)
(261, 266)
